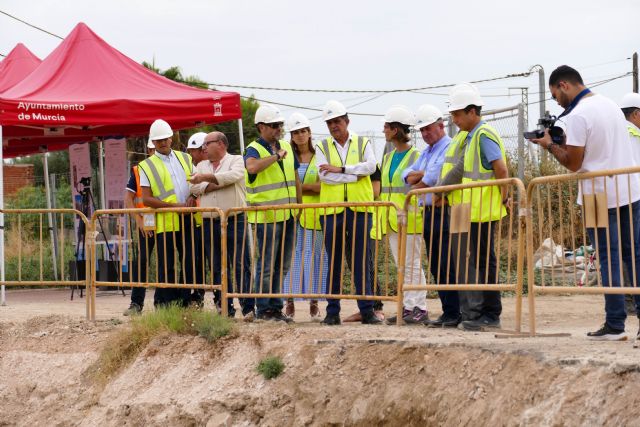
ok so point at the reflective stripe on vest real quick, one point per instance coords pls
(359, 191)
(395, 191)
(486, 202)
(633, 131)
(156, 170)
(275, 185)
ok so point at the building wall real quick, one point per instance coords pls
(16, 177)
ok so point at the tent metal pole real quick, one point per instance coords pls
(105, 248)
(3, 300)
(47, 189)
(241, 136)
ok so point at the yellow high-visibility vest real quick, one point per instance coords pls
(395, 190)
(358, 191)
(162, 187)
(310, 219)
(454, 153)
(486, 202)
(275, 185)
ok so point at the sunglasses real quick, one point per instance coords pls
(274, 125)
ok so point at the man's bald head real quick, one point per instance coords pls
(216, 136)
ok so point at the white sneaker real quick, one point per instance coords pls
(606, 333)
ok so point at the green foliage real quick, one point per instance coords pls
(270, 367)
(210, 325)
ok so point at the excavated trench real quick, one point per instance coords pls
(328, 380)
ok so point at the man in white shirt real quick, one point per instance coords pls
(597, 139)
(219, 183)
(164, 182)
(345, 163)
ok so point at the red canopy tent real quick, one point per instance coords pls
(18, 64)
(86, 88)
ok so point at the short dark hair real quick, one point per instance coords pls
(565, 73)
(629, 111)
(477, 108)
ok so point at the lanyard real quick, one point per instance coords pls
(574, 102)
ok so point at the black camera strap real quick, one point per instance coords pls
(574, 102)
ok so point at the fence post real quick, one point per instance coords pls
(223, 257)
(521, 126)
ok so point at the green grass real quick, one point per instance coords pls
(270, 367)
(123, 347)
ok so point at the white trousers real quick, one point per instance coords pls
(413, 273)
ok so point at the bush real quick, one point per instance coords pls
(270, 367)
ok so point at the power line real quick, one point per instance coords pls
(508, 76)
(31, 25)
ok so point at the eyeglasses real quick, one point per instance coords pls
(274, 125)
(211, 142)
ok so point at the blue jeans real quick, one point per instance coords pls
(238, 256)
(274, 245)
(629, 227)
(433, 238)
(353, 224)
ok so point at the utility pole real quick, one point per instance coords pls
(635, 71)
(542, 86)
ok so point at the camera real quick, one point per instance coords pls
(85, 182)
(547, 122)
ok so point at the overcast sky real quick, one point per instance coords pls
(353, 44)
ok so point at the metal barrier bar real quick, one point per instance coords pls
(568, 261)
(469, 254)
(186, 262)
(287, 249)
(28, 241)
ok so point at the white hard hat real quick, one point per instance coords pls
(463, 95)
(298, 121)
(196, 140)
(427, 114)
(399, 114)
(630, 100)
(267, 113)
(160, 130)
(150, 144)
(333, 109)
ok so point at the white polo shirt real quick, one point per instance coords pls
(598, 125)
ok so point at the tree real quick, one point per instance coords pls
(230, 129)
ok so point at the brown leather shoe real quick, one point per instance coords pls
(355, 317)
(289, 309)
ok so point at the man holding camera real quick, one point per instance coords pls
(596, 139)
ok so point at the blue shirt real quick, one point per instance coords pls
(251, 152)
(430, 162)
(489, 149)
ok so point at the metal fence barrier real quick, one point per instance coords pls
(465, 246)
(181, 261)
(583, 248)
(312, 251)
(41, 251)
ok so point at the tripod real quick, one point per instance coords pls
(88, 201)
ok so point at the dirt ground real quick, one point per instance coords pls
(346, 375)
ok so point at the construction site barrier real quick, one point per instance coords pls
(473, 247)
(296, 246)
(40, 252)
(134, 255)
(561, 256)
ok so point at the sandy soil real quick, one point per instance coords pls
(347, 375)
